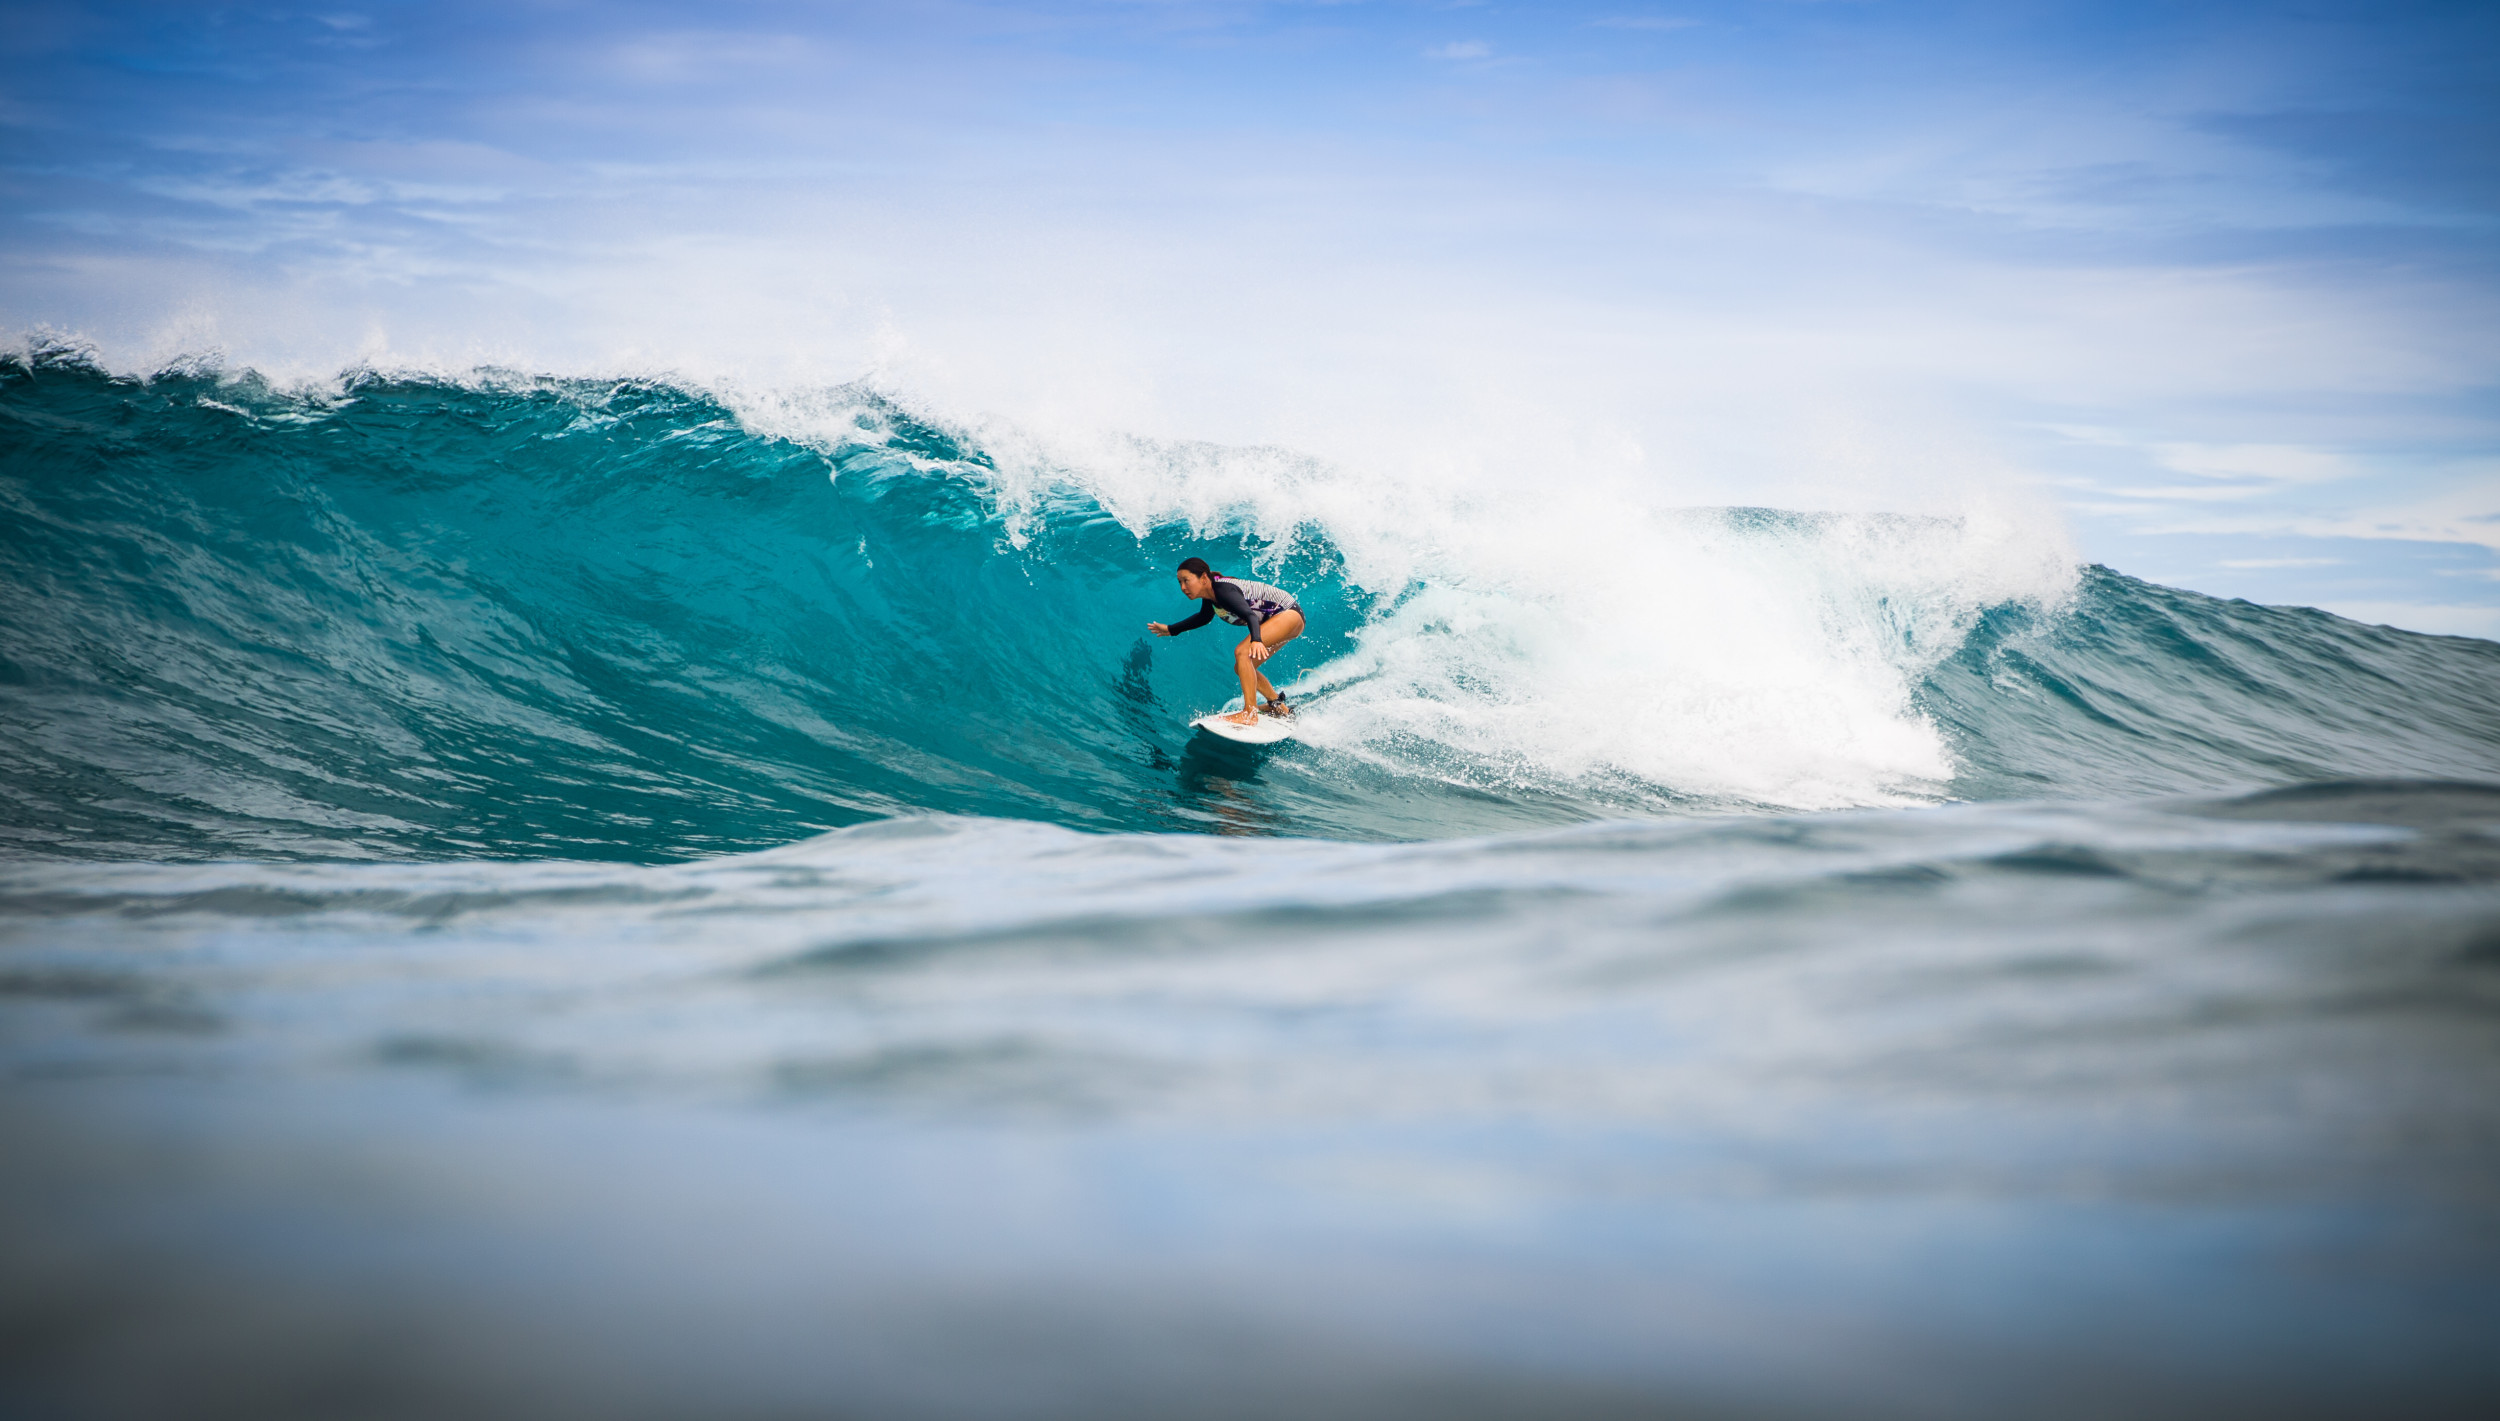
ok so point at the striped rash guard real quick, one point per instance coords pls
(1240, 602)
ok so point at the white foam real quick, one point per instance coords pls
(1567, 627)
(1766, 665)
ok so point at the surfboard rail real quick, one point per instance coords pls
(1269, 730)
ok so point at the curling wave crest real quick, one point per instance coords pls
(424, 617)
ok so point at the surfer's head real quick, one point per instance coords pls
(1196, 578)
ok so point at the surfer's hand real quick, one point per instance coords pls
(1258, 651)
(1158, 628)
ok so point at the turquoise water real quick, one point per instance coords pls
(585, 620)
(542, 896)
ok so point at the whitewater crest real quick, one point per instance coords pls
(508, 615)
(1535, 633)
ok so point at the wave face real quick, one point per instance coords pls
(507, 617)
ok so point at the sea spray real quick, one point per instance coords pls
(1541, 633)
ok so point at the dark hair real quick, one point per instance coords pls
(1196, 565)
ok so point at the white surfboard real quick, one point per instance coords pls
(1269, 730)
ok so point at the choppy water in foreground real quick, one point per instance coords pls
(531, 899)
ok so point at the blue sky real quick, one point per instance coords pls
(2220, 281)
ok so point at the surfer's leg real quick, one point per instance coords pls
(1274, 632)
(1251, 681)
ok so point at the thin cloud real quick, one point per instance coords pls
(2200, 493)
(1655, 23)
(2438, 619)
(2463, 517)
(2281, 463)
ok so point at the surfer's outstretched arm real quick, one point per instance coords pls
(1204, 615)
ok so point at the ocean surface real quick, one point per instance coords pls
(548, 897)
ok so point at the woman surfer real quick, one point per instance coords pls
(1270, 613)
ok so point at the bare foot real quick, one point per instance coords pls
(1243, 717)
(1276, 708)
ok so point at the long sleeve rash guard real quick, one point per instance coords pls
(1232, 601)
